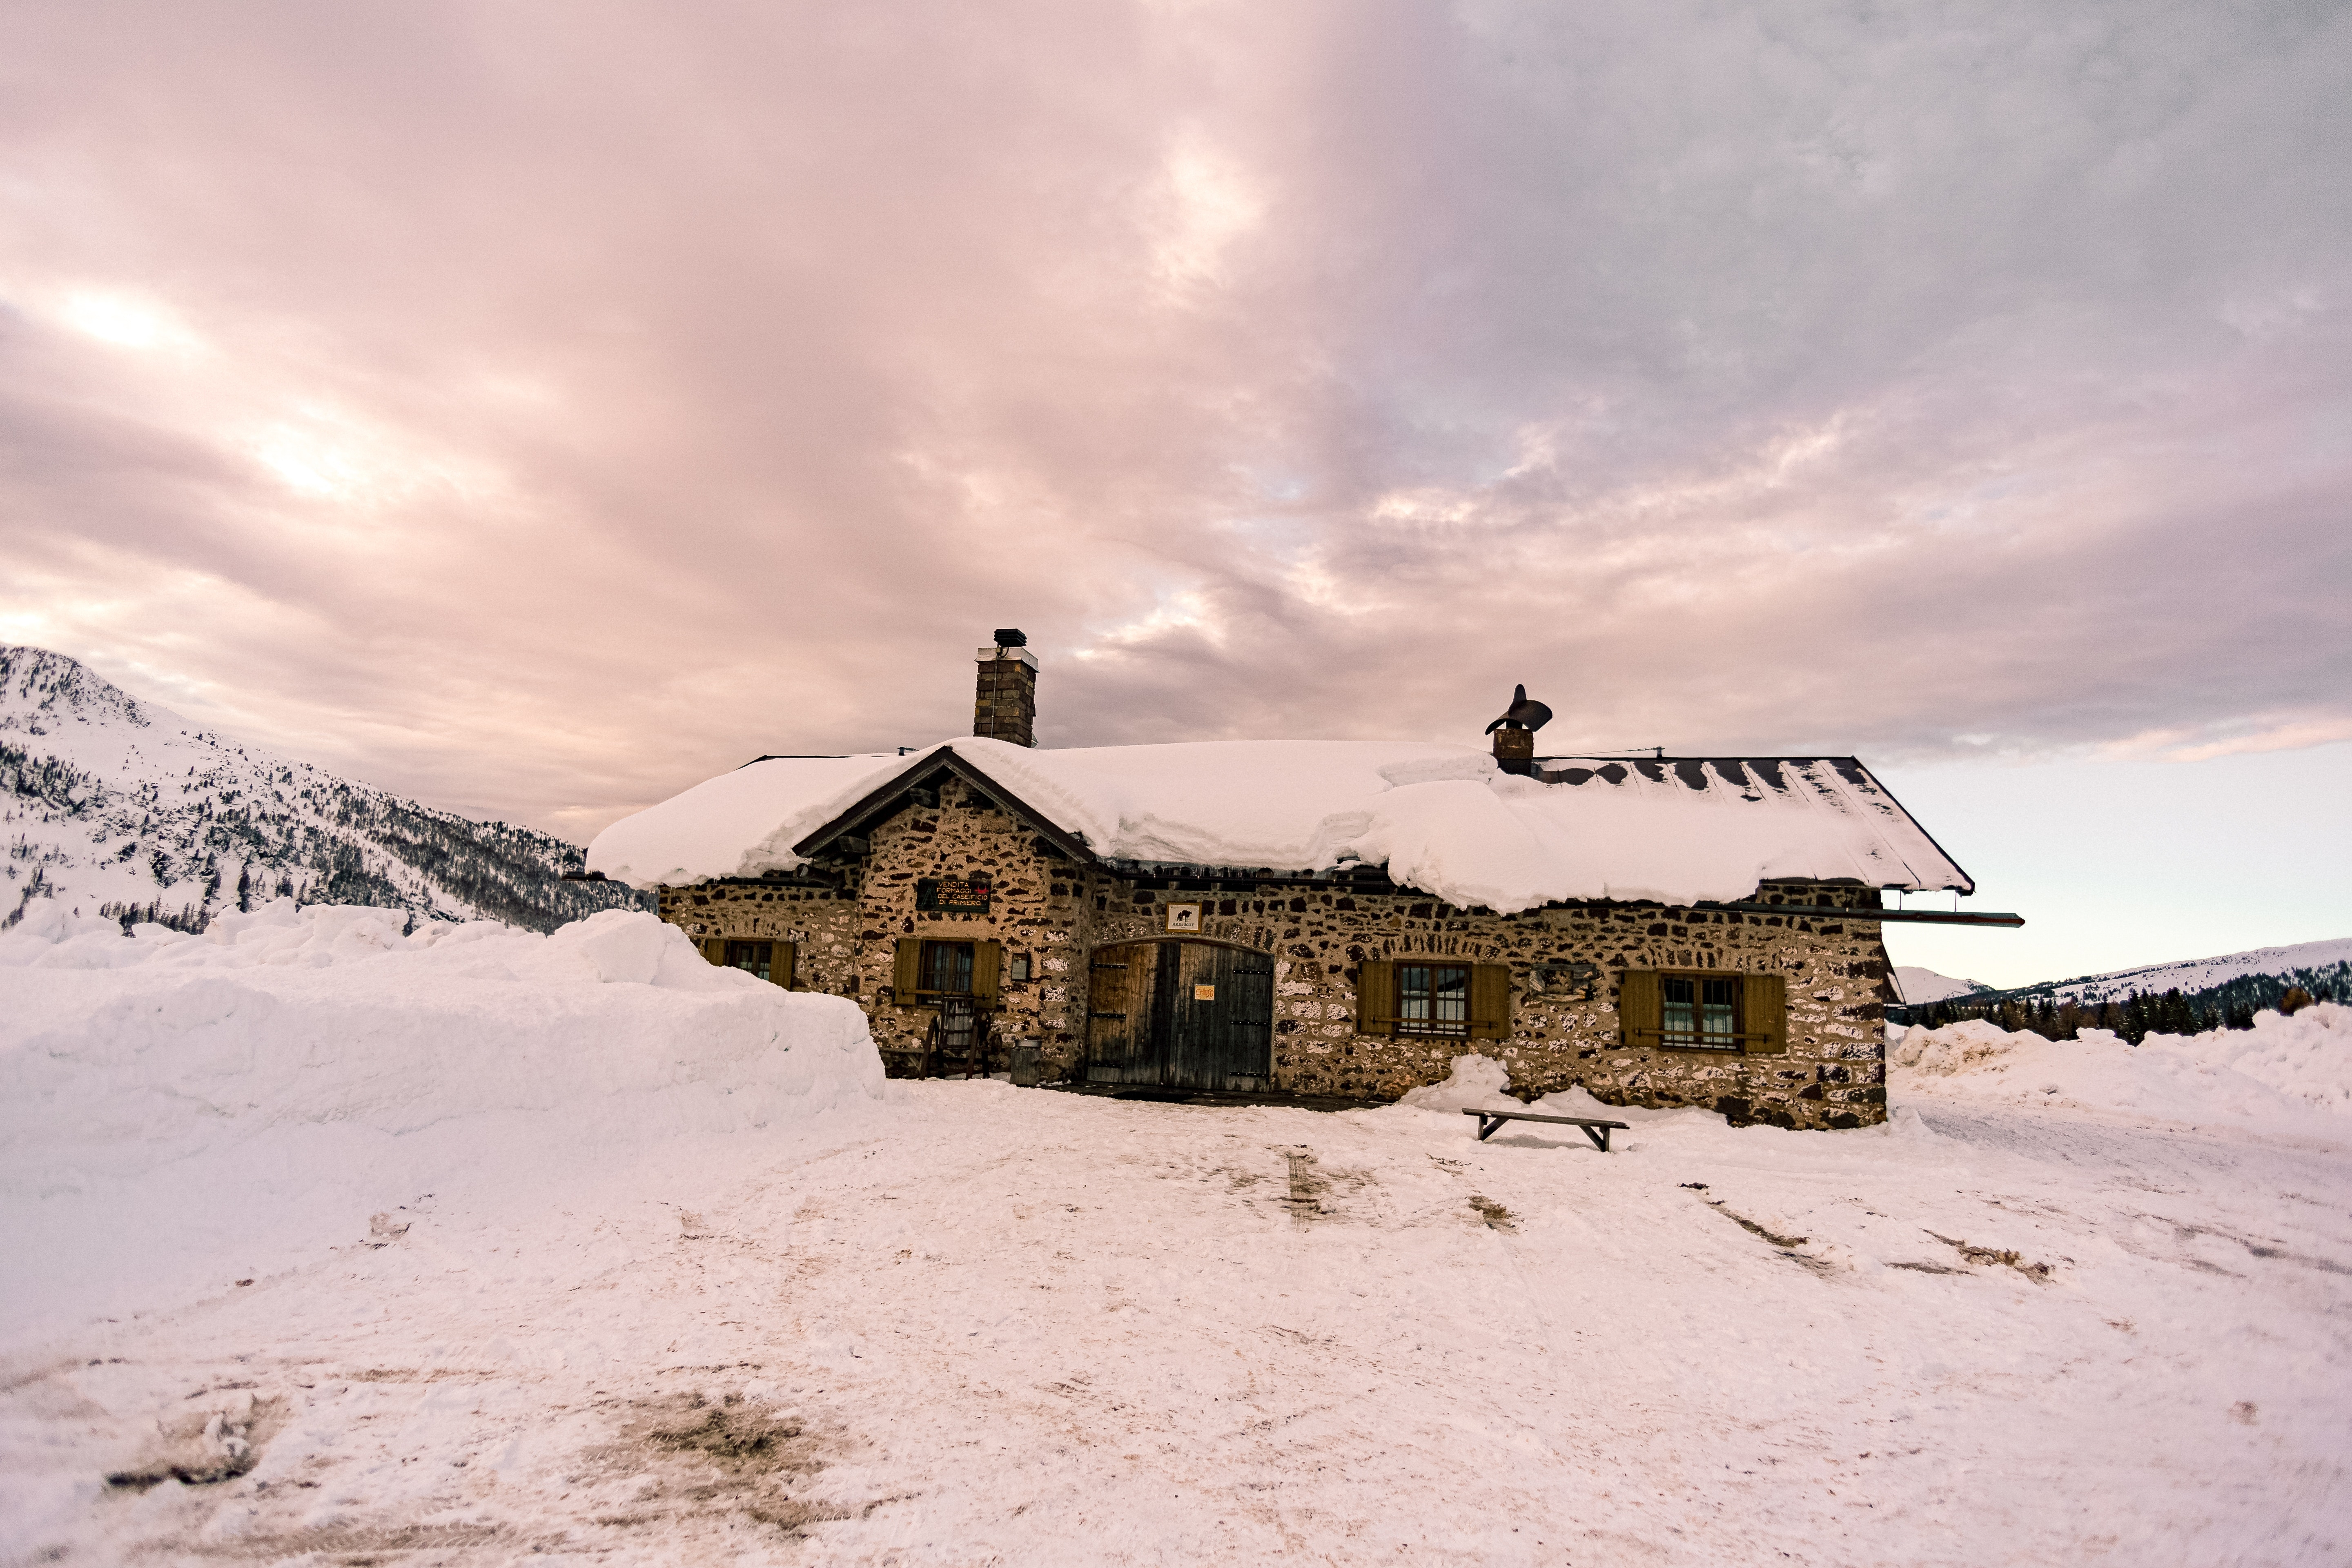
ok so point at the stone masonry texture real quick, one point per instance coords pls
(1057, 913)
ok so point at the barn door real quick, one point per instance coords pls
(1220, 1017)
(1120, 981)
(1184, 1015)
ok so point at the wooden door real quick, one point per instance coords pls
(1181, 1014)
(1220, 1031)
(1120, 981)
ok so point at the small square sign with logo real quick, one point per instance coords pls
(1183, 917)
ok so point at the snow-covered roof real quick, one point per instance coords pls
(1440, 817)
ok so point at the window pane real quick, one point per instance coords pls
(947, 966)
(752, 956)
(1450, 996)
(1680, 996)
(1412, 993)
(1716, 1014)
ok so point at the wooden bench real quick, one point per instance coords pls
(1595, 1129)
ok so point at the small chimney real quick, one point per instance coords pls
(1005, 705)
(1515, 733)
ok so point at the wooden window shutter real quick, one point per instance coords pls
(780, 959)
(1376, 998)
(714, 948)
(1764, 1014)
(1640, 1010)
(1490, 1002)
(987, 964)
(906, 971)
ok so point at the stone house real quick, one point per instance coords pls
(1320, 917)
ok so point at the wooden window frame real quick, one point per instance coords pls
(1377, 1005)
(781, 955)
(1747, 1038)
(1699, 1038)
(908, 972)
(1432, 1028)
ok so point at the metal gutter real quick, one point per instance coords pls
(1913, 917)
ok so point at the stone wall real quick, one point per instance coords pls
(848, 939)
(1056, 913)
(1833, 1072)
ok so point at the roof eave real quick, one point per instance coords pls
(1968, 883)
(882, 801)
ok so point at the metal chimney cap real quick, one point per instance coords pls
(1012, 637)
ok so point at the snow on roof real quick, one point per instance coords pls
(1440, 817)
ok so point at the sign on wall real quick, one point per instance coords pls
(1183, 917)
(953, 895)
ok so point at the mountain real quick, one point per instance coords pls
(2171, 998)
(119, 807)
(2310, 964)
(1918, 986)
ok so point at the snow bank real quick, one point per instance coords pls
(175, 1106)
(1482, 1083)
(1477, 1083)
(2292, 1074)
(1440, 817)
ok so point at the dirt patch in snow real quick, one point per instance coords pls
(352, 1544)
(699, 1455)
(1497, 1217)
(219, 1442)
(1787, 1243)
(1987, 1256)
(1307, 1186)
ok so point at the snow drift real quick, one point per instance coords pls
(176, 1107)
(2286, 1074)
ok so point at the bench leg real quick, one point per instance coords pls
(1486, 1125)
(1599, 1136)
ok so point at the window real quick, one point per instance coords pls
(754, 956)
(771, 961)
(1701, 1013)
(922, 971)
(1451, 1001)
(946, 967)
(1433, 999)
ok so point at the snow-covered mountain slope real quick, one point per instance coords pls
(112, 805)
(2306, 964)
(1918, 986)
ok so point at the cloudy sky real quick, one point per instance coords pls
(537, 407)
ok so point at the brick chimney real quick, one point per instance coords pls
(1005, 706)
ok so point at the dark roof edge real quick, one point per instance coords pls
(1971, 882)
(944, 757)
(798, 757)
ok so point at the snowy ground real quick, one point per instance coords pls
(325, 1245)
(976, 1324)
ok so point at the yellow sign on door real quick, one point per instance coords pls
(1204, 993)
